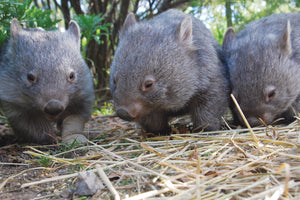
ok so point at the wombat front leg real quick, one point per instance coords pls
(206, 117)
(33, 129)
(72, 129)
(294, 110)
(289, 115)
(204, 120)
(156, 122)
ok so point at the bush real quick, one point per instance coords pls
(27, 14)
(91, 27)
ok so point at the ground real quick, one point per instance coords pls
(228, 164)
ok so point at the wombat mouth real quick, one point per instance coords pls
(123, 114)
(52, 117)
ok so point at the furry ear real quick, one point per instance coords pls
(15, 28)
(185, 31)
(285, 43)
(129, 21)
(74, 30)
(228, 38)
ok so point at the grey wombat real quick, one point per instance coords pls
(44, 80)
(168, 66)
(264, 66)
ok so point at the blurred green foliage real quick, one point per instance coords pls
(105, 109)
(92, 27)
(213, 12)
(27, 14)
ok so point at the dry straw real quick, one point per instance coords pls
(256, 163)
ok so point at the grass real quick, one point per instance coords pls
(219, 165)
(261, 163)
(105, 109)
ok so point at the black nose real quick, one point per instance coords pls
(53, 107)
(124, 114)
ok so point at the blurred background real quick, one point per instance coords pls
(101, 20)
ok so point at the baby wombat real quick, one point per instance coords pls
(44, 80)
(168, 66)
(264, 66)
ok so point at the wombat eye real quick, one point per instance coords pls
(270, 96)
(31, 78)
(270, 93)
(115, 82)
(71, 77)
(148, 85)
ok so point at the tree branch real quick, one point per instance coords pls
(167, 4)
(76, 5)
(228, 13)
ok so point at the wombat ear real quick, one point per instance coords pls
(285, 40)
(15, 28)
(74, 30)
(185, 31)
(228, 38)
(129, 21)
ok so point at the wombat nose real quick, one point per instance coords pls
(53, 108)
(267, 117)
(253, 121)
(124, 114)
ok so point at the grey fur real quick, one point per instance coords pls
(44, 79)
(264, 66)
(168, 66)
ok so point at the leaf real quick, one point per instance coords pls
(27, 13)
(90, 26)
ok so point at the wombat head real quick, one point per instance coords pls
(262, 72)
(150, 70)
(43, 70)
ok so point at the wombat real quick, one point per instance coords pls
(168, 66)
(264, 66)
(44, 80)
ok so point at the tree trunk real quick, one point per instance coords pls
(65, 10)
(97, 54)
(228, 13)
(76, 5)
(122, 16)
(167, 4)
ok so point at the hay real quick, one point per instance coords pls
(209, 165)
(252, 163)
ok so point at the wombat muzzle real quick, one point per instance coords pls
(53, 108)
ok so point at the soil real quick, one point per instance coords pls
(227, 163)
(18, 167)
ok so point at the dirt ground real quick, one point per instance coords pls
(228, 164)
(18, 167)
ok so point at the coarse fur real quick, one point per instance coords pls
(168, 66)
(264, 67)
(43, 80)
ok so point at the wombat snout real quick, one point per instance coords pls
(257, 119)
(254, 121)
(131, 112)
(123, 113)
(53, 108)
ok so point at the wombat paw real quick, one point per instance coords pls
(72, 128)
(69, 139)
(163, 132)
